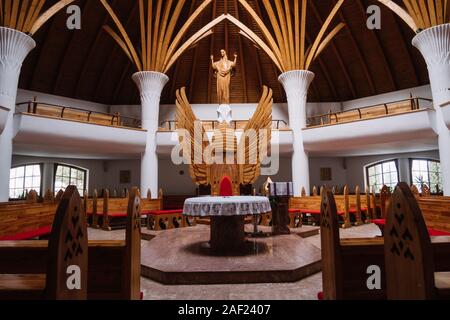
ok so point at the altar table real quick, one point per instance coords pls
(227, 217)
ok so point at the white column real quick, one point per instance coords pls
(296, 84)
(150, 85)
(434, 44)
(14, 48)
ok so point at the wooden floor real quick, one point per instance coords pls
(305, 289)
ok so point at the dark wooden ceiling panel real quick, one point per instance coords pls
(87, 64)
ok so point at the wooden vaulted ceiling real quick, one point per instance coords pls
(87, 64)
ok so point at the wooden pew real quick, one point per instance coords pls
(435, 210)
(113, 265)
(26, 221)
(345, 261)
(67, 247)
(347, 205)
(410, 265)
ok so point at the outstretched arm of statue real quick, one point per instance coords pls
(235, 60)
(213, 65)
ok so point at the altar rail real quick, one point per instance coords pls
(77, 114)
(210, 125)
(369, 112)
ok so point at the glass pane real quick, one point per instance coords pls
(20, 172)
(66, 171)
(58, 170)
(12, 173)
(386, 167)
(387, 178)
(28, 182)
(423, 165)
(415, 165)
(37, 183)
(394, 178)
(393, 166)
(378, 169)
(371, 171)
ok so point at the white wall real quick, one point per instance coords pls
(355, 173)
(101, 174)
(338, 172)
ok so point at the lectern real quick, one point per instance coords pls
(279, 194)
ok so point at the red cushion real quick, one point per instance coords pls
(161, 212)
(320, 295)
(310, 211)
(295, 211)
(432, 232)
(226, 187)
(379, 222)
(436, 233)
(117, 214)
(29, 234)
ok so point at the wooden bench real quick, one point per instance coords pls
(435, 210)
(350, 207)
(345, 261)
(411, 271)
(26, 221)
(111, 213)
(113, 266)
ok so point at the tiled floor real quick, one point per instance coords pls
(304, 289)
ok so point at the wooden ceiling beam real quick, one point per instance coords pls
(44, 46)
(242, 58)
(68, 49)
(211, 47)
(361, 59)
(336, 53)
(402, 43)
(325, 72)
(274, 68)
(381, 52)
(119, 84)
(92, 52)
(106, 70)
(194, 64)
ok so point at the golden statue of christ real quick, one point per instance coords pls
(223, 69)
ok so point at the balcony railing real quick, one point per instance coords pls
(210, 125)
(77, 114)
(375, 111)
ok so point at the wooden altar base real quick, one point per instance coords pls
(182, 256)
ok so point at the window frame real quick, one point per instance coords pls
(428, 160)
(368, 166)
(41, 169)
(55, 169)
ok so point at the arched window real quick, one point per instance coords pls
(382, 173)
(426, 171)
(23, 179)
(66, 175)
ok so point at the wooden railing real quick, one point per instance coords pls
(77, 114)
(375, 111)
(209, 125)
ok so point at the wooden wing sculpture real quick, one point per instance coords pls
(258, 134)
(252, 149)
(187, 120)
